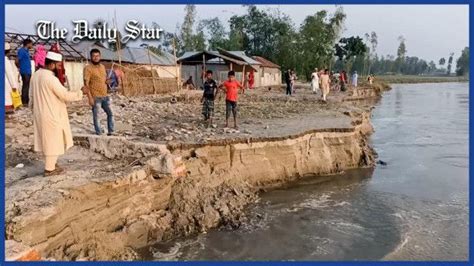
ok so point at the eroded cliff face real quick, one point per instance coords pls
(167, 192)
(152, 192)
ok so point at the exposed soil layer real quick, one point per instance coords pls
(167, 174)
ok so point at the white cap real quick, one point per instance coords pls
(7, 46)
(54, 56)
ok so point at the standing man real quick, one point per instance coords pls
(11, 81)
(23, 61)
(48, 98)
(60, 72)
(210, 92)
(315, 81)
(354, 79)
(325, 84)
(288, 81)
(95, 79)
(231, 87)
(342, 80)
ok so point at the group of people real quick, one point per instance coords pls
(322, 80)
(23, 62)
(249, 82)
(24, 67)
(45, 94)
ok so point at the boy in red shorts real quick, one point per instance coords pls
(231, 87)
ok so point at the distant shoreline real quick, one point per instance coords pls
(392, 79)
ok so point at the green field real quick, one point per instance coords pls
(419, 79)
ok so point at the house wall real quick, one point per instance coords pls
(268, 76)
(219, 72)
(75, 70)
(74, 73)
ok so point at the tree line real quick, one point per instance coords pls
(316, 42)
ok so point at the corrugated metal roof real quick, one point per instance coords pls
(265, 62)
(128, 55)
(144, 56)
(236, 56)
(86, 46)
(188, 54)
(243, 57)
(196, 57)
(16, 41)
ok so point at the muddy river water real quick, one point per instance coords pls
(413, 208)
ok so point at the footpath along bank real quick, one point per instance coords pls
(168, 175)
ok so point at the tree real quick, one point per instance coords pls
(216, 34)
(188, 39)
(349, 49)
(373, 42)
(431, 67)
(317, 37)
(450, 62)
(442, 61)
(401, 52)
(266, 34)
(165, 43)
(462, 64)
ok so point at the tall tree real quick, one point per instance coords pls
(317, 37)
(373, 43)
(215, 33)
(450, 63)
(401, 53)
(263, 33)
(191, 41)
(462, 64)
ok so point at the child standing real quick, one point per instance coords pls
(231, 87)
(210, 92)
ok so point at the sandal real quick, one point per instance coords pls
(56, 171)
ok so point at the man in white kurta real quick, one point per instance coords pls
(11, 82)
(48, 98)
(315, 80)
(355, 76)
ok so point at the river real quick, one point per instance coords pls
(413, 208)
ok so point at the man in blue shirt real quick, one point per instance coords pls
(23, 61)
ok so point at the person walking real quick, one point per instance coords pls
(355, 76)
(288, 82)
(251, 81)
(95, 79)
(48, 98)
(343, 80)
(11, 81)
(325, 83)
(370, 79)
(293, 80)
(315, 81)
(23, 62)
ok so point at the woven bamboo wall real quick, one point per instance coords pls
(137, 82)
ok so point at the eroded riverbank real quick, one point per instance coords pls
(123, 193)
